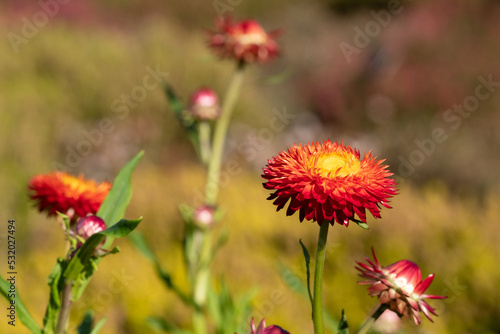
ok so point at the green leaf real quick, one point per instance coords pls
(187, 212)
(361, 224)
(54, 305)
(113, 208)
(343, 326)
(226, 310)
(85, 326)
(187, 121)
(160, 324)
(308, 260)
(21, 310)
(81, 259)
(98, 326)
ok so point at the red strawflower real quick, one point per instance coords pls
(399, 286)
(328, 182)
(61, 192)
(244, 41)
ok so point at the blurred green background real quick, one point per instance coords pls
(349, 70)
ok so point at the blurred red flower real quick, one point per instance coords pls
(262, 329)
(328, 182)
(400, 286)
(61, 192)
(244, 41)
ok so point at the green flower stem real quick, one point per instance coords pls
(202, 276)
(368, 324)
(318, 279)
(199, 323)
(62, 319)
(201, 281)
(204, 132)
(212, 186)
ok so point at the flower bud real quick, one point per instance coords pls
(87, 226)
(205, 105)
(204, 216)
(263, 329)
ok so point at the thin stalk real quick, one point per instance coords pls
(366, 326)
(201, 281)
(199, 323)
(62, 319)
(317, 308)
(212, 186)
(204, 132)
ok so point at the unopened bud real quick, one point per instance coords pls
(88, 226)
(205, 105)
(204, 216)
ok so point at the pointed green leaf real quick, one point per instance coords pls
(81, 259)
(361, 224)
(187, 212)
(187, 121)
(160, 324)
(21, 311)
(308, 271)
(85, 326)
(54, 305)
(98, 326)
(113, 208)
(343, 326)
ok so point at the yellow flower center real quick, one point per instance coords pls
(334, 164)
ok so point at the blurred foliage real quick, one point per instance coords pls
(63, 82)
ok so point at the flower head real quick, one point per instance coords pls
(328, 182)
(262, 329)
(205, 104)
(244, 41)
(399, 286)
(61, 192)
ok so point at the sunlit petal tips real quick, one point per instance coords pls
(61, 192)
(400, 286)
(328, 182)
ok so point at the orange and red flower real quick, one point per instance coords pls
(399, 286)
(244, 41)
(328, 182)
(61, 192)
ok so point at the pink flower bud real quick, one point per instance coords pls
(204, 216)
(205, 104)
(87, 226)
